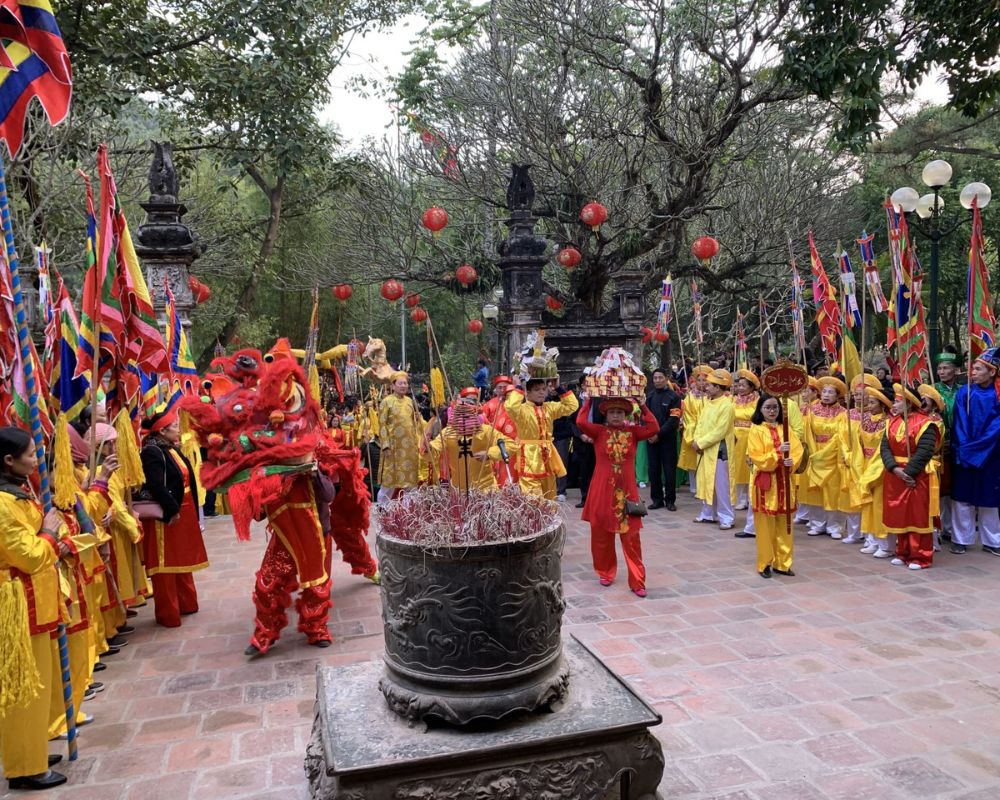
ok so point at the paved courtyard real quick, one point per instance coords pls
(854, 680)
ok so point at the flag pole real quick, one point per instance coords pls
(27, 364)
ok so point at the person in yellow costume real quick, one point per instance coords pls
(745, 400)
(400, 426)
(473, 470)
(825, 438)
(808, 500)
(934, 406)
(852, 454)
(878, 542)
(691, 405)
(772, 490)
(82, 505)
(538, 461)
(714, 442)
(31, 606)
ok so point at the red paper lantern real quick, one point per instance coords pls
(434, 219)
(418, 315)
(552, 303)
(594, 215)
(705, 248)
(569, 257)
(466, 275)
(343, 292)
(412, 300)
(475, 326)
(392, 290)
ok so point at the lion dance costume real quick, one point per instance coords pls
(268, 449)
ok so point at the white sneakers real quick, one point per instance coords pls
(836, 535)
(897, 562)
(916, 566)
(883, 553)
(853, 538)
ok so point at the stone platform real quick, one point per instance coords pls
(596, 745)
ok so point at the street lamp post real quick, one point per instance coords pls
(936, 175)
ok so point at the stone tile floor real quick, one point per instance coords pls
(854, 680)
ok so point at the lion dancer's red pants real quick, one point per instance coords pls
(354, 550)
(296, 556)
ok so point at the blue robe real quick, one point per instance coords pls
(975, 447)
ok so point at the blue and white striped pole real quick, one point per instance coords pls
(24, 341)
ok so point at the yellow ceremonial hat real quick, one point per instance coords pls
(899, 391)
(926, 390)
(702, 369)
(400, 374)
(836, 383)
(813, 383)
(720, 377)
(748, 376)
(867, 379)
(877, 394)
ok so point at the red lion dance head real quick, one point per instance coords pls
(261, 427)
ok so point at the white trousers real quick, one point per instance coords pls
(946, 525)
(742, 495)
(964, 518)
(805, 512)
(749, 527)
(722, 507)
(854, 524)
(830, 522)
(692, 481)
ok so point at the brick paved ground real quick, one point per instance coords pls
(853, 681)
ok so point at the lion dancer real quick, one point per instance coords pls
(265, 443)
(496, 416)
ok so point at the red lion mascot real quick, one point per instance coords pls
(267, 447)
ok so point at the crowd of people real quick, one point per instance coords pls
(86, 568)
(891, 472)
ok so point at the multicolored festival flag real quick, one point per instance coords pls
(664, 313)
(181, 364)
(741, 341)
(982, 322)
(798, 324)
(69, 391)
(866, 244)
(35, 64)
(907, 332)
(696, 300)
(847, 282)
(825, 300)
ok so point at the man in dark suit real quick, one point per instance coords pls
(665, 404)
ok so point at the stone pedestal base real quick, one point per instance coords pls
(595, 746)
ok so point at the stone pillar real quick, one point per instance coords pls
(631, 309)
(166, 246)
(522, 257)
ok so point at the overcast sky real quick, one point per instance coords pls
(382, 55)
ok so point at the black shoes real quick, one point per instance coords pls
(655, 505)
(993, 550)
(112, 651)
(131, 613)
(117, 641)
(322, 643)
(47, 780)
(766, 572)
(99, 666)
(581, 504)
(671, 507)
(125, 629)
(786, 572)
(957, 549)
(54, 759)
(745, 535)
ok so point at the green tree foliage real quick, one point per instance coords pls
(854, 51)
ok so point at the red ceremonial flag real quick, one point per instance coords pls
(982, 322)
(827, 308)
